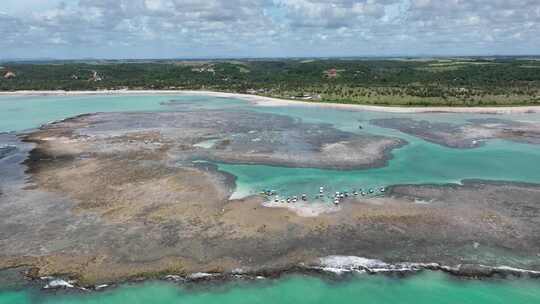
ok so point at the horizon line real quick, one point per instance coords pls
(43, 59)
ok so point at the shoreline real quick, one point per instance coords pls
(335, 267)
(275, 102)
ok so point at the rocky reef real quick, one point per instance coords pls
(118, 196)
(471, 134)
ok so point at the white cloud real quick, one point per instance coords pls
(156, 5)
(122, 28)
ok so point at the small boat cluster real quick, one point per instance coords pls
(337, 197)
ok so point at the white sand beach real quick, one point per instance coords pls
(273, 102)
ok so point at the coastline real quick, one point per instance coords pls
(275, 102)
(336, 267)
(356, 265)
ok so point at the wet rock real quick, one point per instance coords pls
(5, 151)
(472, 270)
(33, 273)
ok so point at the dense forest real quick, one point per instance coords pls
(458, 81)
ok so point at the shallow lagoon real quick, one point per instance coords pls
(19, 113)
(419, 162)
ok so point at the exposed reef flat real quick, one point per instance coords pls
(117, 196)
(467, 135)
(238, 137)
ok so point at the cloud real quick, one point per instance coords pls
(334, 14)
(210, 28)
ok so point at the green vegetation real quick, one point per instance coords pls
(443, 82)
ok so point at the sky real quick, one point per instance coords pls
(129, 29)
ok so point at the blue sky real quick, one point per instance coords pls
(266, 28)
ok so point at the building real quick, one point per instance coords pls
(95, 77)
(332, 73)
(9, 75)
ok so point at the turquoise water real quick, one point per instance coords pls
(419, 289)
(20, 113)
(417, 162)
